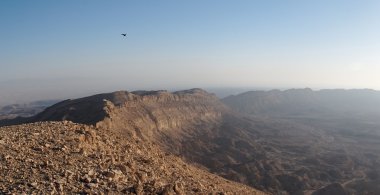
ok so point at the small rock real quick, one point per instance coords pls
(142, 176)
(109, 174)
(118, 175)
(168, 190)
(83, 152)
(123, 168)
(59, 187)
(138, 188)
(34, 184)
(96, 180)
(86, 179)
(178, 188)
(91, 172)
(91, 185)
(38, 149)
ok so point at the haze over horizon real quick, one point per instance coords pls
(52, 49)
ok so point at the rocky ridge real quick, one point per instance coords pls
(158, 116)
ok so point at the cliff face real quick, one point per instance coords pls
(164, 117)
(152, 115)
(161, 107)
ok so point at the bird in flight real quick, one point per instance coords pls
(125, 35)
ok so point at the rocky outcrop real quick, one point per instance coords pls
(158, 116)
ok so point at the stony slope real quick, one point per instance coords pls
(69, 158)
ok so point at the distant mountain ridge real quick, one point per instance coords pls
(25, 110)
(306, 101)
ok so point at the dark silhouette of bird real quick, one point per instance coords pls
(125, 35)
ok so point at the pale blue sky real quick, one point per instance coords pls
(74, 47)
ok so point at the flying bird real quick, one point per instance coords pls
(125, 35)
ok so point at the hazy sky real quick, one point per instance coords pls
(56, 48)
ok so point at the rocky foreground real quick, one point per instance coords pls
(68, 158)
